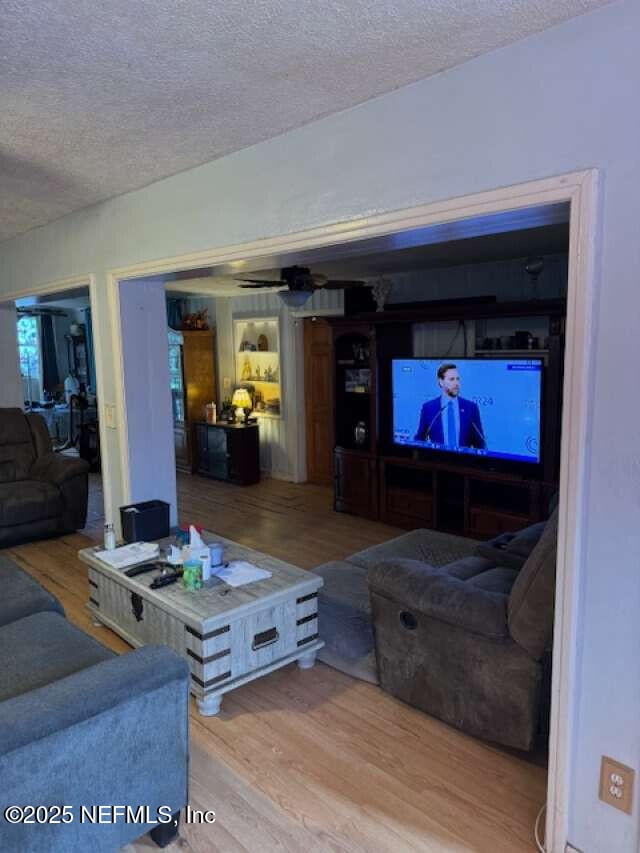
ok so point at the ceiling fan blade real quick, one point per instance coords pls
(261, 282)
(340, 284)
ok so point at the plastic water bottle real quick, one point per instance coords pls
(109, 537)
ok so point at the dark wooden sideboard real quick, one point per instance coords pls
(228, 452)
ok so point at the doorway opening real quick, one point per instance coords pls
(579, 192)
(58, 381)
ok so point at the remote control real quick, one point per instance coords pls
(164, 580)
(140, 570)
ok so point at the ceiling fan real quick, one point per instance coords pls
(301, 283)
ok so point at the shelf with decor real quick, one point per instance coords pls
(257, 363)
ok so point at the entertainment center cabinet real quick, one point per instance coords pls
(378, 479)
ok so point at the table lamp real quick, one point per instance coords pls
(242, 401)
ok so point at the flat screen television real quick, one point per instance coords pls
(486, 408)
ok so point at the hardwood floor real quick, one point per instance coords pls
(315, 760)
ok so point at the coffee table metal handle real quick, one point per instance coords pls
(265, 638)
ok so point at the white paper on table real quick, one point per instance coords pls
(129, 555)
(240, 572)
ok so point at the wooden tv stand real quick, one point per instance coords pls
(469, 501)
(374, 480)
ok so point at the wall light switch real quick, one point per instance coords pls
(110, 415)
(616, 784)
(226, 383)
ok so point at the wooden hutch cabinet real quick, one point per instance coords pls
(193, 385)
(378, 479)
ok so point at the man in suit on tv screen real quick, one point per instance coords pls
(449, 419)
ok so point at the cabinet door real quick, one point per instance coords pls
(218, 453)
(244, 455)
(356, 484)
(318, 367)
(180, 442)
(201, 448)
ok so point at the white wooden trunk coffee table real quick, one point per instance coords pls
(229, 635)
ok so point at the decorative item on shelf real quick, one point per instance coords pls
(357, 381)
(242, 402)
(360, 352)
(196, 322)
(227, 413)
(533, 268)
(246, 370)
(258, 373)
(258, 401)
(360, 433)
(210, 413)
(263, 343)
(381, 289)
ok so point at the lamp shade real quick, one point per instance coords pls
(295, 298)
(241, 399)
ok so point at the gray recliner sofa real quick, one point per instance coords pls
(83, 727)
(470, 642)
(41, 493)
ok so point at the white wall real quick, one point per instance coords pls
(145, 355)
(506, 280)
(562, 100)
(11, 391)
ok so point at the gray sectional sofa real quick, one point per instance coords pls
(81, 726)
(457, 628)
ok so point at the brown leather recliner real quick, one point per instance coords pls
(41, 493)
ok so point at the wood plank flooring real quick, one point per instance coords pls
(314, 760)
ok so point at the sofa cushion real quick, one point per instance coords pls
(17, 452)
(438, 593)
(43, 648)
(430, 546)
(344, 620)
(512, 549)
(21, 594)
(28, 500)
(344, 611)
(531, 605)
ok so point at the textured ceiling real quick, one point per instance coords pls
(99, 99)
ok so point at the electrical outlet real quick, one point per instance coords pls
(616, 784)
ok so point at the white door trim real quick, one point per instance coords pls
(77, 282)
(580, 189)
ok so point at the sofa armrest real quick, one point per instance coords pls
(419, 587)
(68, 702)
(113, 734)
(57, 469)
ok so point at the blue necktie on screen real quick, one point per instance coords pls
(451, 427)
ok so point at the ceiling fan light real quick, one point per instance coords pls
(295, 298)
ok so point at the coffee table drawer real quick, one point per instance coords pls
(136, 616)
(262, 637)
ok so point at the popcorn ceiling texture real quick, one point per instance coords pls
(99, 99)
